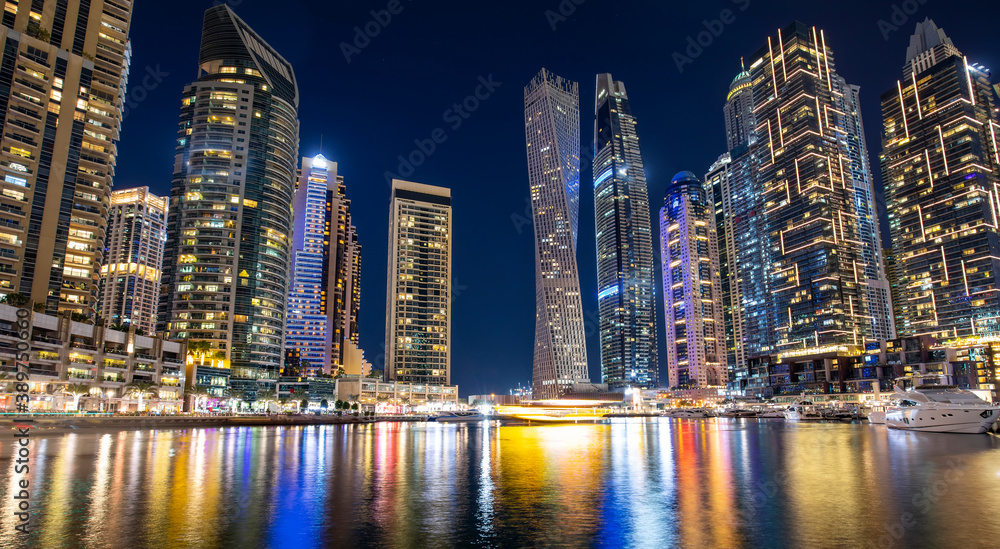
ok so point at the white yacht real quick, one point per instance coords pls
(941, 409)
(772, 413)
(688, 413)
(460, 417)
(803, 410)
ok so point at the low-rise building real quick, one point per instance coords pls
(375, 394)
(64, 353)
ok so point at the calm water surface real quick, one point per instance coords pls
(633, 483)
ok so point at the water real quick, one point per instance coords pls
(632, 483)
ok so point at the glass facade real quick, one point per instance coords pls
(324, 301)
(552, 135)
(226, 266)
(418, 297)
(692, 286)
(130, 277)
(939, 165)
(62, 89)
(624, 244)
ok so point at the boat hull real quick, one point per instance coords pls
(876, 418)
(942, 420)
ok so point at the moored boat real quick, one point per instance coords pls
(941, 409)
(803, 410)
(460, 417)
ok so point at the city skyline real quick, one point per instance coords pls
(470, 297)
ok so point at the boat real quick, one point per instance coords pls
(460, 417)
(772, 413)
(941, 409)
(803, 410)
(688, 413)
(560, 411)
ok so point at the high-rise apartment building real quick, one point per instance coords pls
(226, 266)
(62, 91)
(552, 136)
(625, 276)
(817, 213)
(325, 297)
(940, 166)
(738, 111)
(418, 296)
(130, 276)
(692, 286)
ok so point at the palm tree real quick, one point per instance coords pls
(199, 349)
(141, 388)
(199, 392)
(77, 390)
(267, 396)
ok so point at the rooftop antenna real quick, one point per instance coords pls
(321, 135)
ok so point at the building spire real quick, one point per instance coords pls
(926, 37)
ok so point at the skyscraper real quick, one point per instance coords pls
(816, 202)
(940, 168)
(130, 276)
(324, 301)
(738, 111)
(418, 296)
(692, 287)
(61, 97)
(552, 136)
(226, 267)
(624, 244)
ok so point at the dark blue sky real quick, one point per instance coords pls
(430, 56)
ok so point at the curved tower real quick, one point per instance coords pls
(552, 136)
(692, 286)
(624, 244)
(226, 268)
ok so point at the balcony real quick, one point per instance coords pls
(142, 356)
(173, 360)
(46, 340)
(139, 367)
(36, 371)
(115, 351)
(84, 346)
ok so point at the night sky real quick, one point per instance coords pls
(397, 89)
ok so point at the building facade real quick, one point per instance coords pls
(816, 207)
(692, 286)
(325, 296)
(552, 136)
(106, 362)
(63, 91)
(940, 166)
(130, 277)
(625, 276)
(418, 296)
(227, 262)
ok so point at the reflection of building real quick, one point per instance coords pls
(325, 296)
(625, 275)
(130, 276)
(64, 352)
(940, 167)
(226, 266)
(313, 389)
(418, 296)
(552, 135)
(692, 287)
(62, 92)
(371, 392)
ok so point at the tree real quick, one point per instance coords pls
(304, 404)
(80, 317)
(39, 307)
(354, 406)
(324, 404)
(77, 390)
(199, 350)
(267, 396)
(376, 373)
(16, 299)
(340, 373)
(141, 389)
(199, 392)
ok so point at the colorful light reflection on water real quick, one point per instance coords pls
(632, 483)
